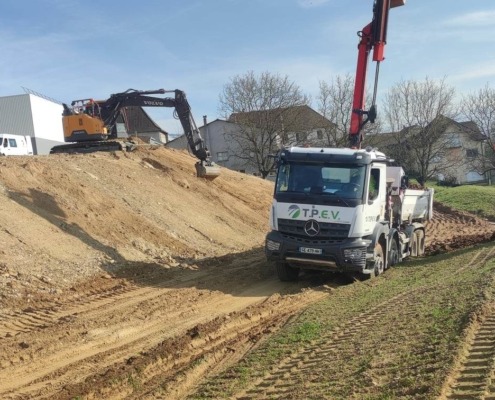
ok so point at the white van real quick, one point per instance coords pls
(15, 145)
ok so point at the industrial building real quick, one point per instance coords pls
(35, 116)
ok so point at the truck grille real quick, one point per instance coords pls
(329, 232)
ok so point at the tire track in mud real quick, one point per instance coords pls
(293, 371)
(32, 318)
(475, 368)
(108, 327)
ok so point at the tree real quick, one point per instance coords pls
(479, 107)
(335, 103)
(418, 114)
(265, 107)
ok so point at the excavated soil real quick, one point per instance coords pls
(122, 275)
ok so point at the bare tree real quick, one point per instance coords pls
(335, 103)
(479, 107)
(266, 109)
(418, 114)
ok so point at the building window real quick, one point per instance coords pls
(319, 134)
(471, 153)
(301, 136)
(222, 156)
(453, 140)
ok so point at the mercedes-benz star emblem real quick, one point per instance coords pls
(312, 228)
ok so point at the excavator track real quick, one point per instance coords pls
(90, 147)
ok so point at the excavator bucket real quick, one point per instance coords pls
(209, 172)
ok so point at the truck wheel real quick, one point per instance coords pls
(420, 242)
(379, 259)
(393, 254)
(413, 245)
(287, 273)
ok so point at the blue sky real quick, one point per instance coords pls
(71, 49)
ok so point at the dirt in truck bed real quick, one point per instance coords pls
(122, 275)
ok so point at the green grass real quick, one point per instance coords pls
(479, 200)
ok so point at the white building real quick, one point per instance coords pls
(35, 116)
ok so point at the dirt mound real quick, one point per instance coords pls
(450, 229)
(67, 217)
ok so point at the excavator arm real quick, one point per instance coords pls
(99, 119)
(373, 37)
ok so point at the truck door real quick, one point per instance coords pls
(375, 197)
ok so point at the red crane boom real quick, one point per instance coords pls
(372, 37)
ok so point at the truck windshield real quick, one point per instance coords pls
(346, 181)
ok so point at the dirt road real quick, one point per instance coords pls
(124, 276)
(160, 322)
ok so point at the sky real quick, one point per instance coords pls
(72, 49)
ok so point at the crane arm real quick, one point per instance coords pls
(373, 37)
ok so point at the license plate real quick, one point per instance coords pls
(309, 250)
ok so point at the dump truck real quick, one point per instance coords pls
(344, 210)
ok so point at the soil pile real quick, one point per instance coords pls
(67, 217)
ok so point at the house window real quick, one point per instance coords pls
(222, 156)
(436, 159)
(319, 134)
(453, 140)
(301, 137)
(471, 153)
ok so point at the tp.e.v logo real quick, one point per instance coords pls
(294, 211)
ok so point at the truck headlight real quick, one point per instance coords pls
(355, 254)
(272, 245)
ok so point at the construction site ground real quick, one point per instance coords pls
(123, 276)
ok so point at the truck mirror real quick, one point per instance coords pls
(404, 182)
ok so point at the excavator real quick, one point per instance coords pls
(91, 125)
(373, 37)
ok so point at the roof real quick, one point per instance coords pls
(383, 140)
(297, 118)
(138, 121)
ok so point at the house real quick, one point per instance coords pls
(295, 126)
(241, 141)
(216, 134)
(453, 153)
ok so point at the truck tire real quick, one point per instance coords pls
(393, 254)
(379, 266)
(287, 273)
(420, 242)
(413, 245)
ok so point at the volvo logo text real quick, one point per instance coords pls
(312, 228)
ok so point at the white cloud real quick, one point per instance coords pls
(477, 71)
(475, 19)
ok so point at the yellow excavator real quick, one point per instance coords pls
(91, 125)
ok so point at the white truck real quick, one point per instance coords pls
(345, 210)
(15, 145)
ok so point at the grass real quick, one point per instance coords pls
(479, 200)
